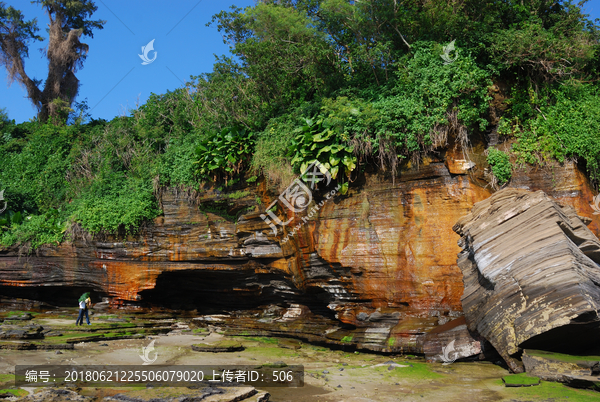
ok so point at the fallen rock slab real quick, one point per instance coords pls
(452, 341)
(20, 317)
(218, 347)
(30, 331)
(531, 275)
(23, 345)
(575, 371)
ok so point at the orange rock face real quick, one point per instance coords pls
(380, 261)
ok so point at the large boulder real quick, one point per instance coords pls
(531, 275)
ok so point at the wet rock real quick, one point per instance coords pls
(218, 347)
(289, 344)
(21, 317)
(531, 275)
(30, 331)
(54, 395)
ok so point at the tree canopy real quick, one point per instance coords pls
(356, 85)
(68, 22)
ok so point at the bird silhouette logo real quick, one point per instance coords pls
(595, 206)
(145, 50)
(2, 199)
(446, 354)
(146, 350)
(446, 53)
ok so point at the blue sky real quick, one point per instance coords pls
(113, 78)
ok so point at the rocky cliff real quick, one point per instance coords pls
(375, 268)
(532, 275)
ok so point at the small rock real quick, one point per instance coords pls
(58, 352)
(339, 386)
(325, 372)
(341, 369)
(390, 368)
(103, 344)
(344, 364)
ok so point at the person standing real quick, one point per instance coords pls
(84, 302)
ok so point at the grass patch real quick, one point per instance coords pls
(4, 378)
(199, 330)
(262, 339)
(522, 379)
(15, 392)
(347, 339)
(271, 352)
(238, 194)
(96, 327)
(17, 312)
(418, 371)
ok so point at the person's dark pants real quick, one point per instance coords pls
(80, 318)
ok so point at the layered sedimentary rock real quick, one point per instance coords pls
(531, 274)
(375, 268)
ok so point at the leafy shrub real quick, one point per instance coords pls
(177, 163)
(115, 202)
(224, 153)
(430, 99)
(500, 163)
(318, 141)
(566, 126)
(35, 229)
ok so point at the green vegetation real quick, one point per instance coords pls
(224, 154)
(358, 86)
(346, 339)
(262, 339)
(15, 392)
(238, 194)
(550, 391)
(500, 163)
(520, 380)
